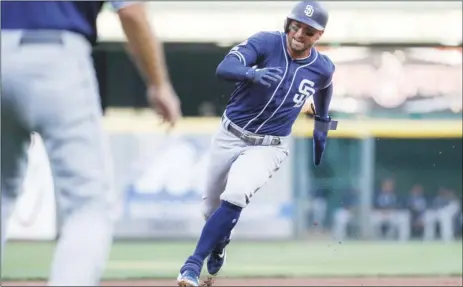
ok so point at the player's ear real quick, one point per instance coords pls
(319, 35)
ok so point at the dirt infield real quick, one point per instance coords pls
(351, 281)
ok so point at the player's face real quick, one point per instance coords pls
(301, 38)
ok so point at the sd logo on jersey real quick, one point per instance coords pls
(306, 90)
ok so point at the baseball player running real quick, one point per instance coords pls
(275, 73)
(49, 87)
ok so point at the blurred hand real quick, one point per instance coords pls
(165, 102)
(264, 76)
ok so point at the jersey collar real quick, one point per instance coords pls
(313, 52)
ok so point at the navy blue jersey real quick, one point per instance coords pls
(74, 16)
(386, 200)
(273, 111)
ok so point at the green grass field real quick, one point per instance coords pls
(25, 260)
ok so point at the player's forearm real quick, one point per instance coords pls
(143, 44)
(322, 101)
(232, 69)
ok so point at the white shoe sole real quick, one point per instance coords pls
(182, 282)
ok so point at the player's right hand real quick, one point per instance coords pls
(265, 76)
(165, 102)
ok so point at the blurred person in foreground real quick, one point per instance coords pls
(275, 72)
(49, 87)
(417, 204)
(388, 213)
(442, 212)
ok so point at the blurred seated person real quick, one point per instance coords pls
(387, 216)
(344, 215)
(460, 225)
(207, 109)
(460, 222)
(443, 212)
(417, 204)
(318, 207)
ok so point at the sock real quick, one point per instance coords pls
(217, 227)
(222, 243)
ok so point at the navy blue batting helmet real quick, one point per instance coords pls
(310, 13)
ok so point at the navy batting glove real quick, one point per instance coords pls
(319, 143)
(265, 76)
(320, 134)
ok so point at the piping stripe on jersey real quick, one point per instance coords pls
(329, 84)
(276, 89)
(239, 55)
(289, 90)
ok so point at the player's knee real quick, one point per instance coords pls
(239, 198)
(239, 192)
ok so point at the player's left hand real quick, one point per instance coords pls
(320, 134)
(319, 143)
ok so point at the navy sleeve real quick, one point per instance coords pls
(329, 80)
(232, 69)
(252, 50)
(121, 4)
(322, 100)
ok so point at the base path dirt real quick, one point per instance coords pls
(338, 281)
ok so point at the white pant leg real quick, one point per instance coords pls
(15, 131)
(319, 206)
(430, 220)
(225, 149)
(342, 218)
(402, 220)
(445, 217)
(59, 84)
(251, 171)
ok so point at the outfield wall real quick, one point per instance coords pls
(160, 176)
